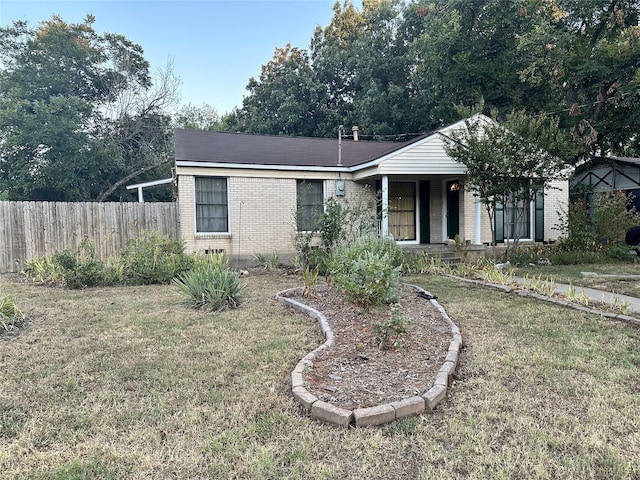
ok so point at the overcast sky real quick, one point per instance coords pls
(215, 45)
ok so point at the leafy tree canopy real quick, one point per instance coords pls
(80, 114)
(285, 100)
(204, 117)
(403, 67)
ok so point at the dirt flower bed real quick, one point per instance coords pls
(355, 372)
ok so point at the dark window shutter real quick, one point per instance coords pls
(539, 217)
(499, 221)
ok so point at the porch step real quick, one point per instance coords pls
(446, 253)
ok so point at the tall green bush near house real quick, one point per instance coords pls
(368, 270)
(341, 222)
(612, 219)
(600, 232)
(153, 258)
(576, 228)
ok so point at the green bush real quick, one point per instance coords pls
(601, 233)
(575, 257)
(525, 254)
(212, 287)
(368, 270)
(81, 268)
(153, 258)
(612, 219)
(388, 332)
(341, 222)
(381, 247)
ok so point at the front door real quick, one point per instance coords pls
(453, 208)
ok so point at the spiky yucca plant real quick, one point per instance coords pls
(211, 287)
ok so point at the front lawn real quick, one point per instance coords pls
(126, 382)
(603, 276)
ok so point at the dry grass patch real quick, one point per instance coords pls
(606, 278)
(115, 383)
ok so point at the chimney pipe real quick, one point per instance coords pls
(355, 130)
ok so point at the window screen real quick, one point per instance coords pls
(212, 212)
(310, 204)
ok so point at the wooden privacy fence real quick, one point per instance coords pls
(30, 230)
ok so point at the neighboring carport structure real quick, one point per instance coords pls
(609, 174)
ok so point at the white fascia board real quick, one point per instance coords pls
(254, 166)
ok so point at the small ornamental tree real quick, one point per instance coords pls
(509, 164)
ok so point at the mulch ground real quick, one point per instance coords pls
(356, 372)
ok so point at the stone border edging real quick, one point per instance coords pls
(380, 414)
(523, 292)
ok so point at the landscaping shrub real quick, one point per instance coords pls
(525, 254)
(10, 314)
(210, 286)
(612, 219)
(42, 270)
(596, 237)
(341, 222)
(575, 257)
(81, 268)
(153, 258)
(388, 332)
(368, 270)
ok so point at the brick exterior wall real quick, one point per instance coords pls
(262, 214)
(556, 200)
(261, 217)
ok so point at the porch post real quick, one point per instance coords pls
(478, 230)
(385, 207)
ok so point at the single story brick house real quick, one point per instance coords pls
(238, 193)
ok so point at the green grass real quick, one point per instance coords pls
(127, 383)
(574, 274)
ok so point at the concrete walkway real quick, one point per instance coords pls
(597, 296)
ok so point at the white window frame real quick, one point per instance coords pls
(416, 211)
(195, 209)
(532, 225)
(324, 196)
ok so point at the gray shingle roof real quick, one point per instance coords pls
(595, 161)
(249, 149)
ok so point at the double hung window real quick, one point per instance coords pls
(310, 204)
(212, 205)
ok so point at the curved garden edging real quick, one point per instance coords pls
(380, 414)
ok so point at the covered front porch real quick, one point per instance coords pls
(422, 210)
